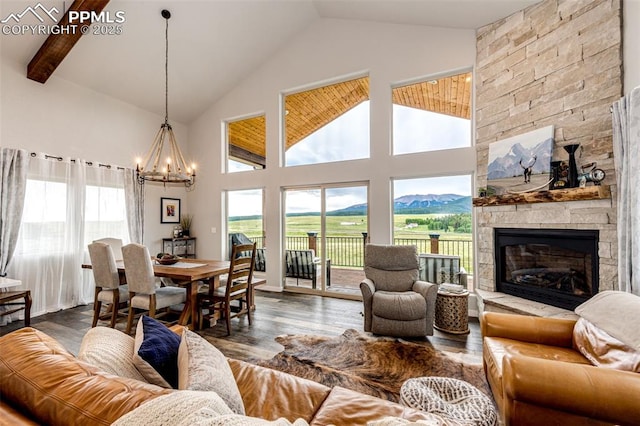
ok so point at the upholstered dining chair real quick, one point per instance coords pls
(236, 286)
(396, 303)
(145, 292)
(116, 246)
(108, 288)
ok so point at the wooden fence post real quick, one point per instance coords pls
(434, 243)
(313, 240)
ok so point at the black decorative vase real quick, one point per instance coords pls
(554, 176)
(572, 178)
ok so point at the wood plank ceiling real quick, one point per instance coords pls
(308, 111)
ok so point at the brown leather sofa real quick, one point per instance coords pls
(42, 383)
(538, 378)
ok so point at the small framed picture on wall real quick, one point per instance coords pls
(169, 210)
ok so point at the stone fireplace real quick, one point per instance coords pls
(549, 64)
(595, 217)
(558, 267)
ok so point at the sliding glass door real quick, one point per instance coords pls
(325, 230)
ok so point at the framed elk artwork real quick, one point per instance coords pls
(521, 163)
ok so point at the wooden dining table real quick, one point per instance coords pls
(186, 273)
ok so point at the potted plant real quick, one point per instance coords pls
(185, 223)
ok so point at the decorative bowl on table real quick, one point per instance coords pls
(166, 259)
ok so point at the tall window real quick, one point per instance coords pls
(43, 219)
(68, 204)
(244, 214)
(105, 213)
(246, 144)
(432, 115)
(327, 124)
(435, 206)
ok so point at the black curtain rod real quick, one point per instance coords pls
(90, 163)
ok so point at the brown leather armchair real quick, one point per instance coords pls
(538, 378)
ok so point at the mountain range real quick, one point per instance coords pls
(508, 165)
(417, 204)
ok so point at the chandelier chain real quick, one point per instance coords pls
(166, 72)
(175, 170)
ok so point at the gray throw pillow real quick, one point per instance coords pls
(202, 367)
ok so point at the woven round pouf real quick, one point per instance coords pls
(449, 398)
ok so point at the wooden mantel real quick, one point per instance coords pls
(571, 194)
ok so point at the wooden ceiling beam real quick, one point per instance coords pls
(241, 154)
(57, 46)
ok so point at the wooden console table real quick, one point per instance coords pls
(11, 299)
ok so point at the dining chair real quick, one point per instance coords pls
(145, 292)
(235, 286)
(116, 246)
(108, 288)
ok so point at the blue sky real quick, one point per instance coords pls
(347, 137)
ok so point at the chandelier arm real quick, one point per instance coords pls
(162, 135)
(153, 152)
(181, 163)
(173, 148)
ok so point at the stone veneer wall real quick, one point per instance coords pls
(555, 63)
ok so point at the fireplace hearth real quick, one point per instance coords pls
(558, 267)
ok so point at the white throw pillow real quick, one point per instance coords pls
(202, 367)
(433, 420)
(604, 350)
(111, 351)
(207, 417)
(172, 408)
(615, 312)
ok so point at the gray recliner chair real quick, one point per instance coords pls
(395, 302)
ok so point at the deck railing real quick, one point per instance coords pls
(349, 251)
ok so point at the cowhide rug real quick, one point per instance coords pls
(372, 365)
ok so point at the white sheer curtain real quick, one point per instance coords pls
(68, 203)
(626, 145)
(105, 213)
(48, 255)
(134, 196)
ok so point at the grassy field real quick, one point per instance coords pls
(353, 227)
(343, 226)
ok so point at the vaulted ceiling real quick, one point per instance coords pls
(214, 44)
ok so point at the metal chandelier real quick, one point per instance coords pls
(174, 169)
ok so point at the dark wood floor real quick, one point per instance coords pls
(275, 314)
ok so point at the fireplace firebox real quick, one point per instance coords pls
(558, 267)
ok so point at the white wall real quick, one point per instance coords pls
(630, 45)
(63, 119)
(326, 50)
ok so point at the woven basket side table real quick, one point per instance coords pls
(452, 312)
